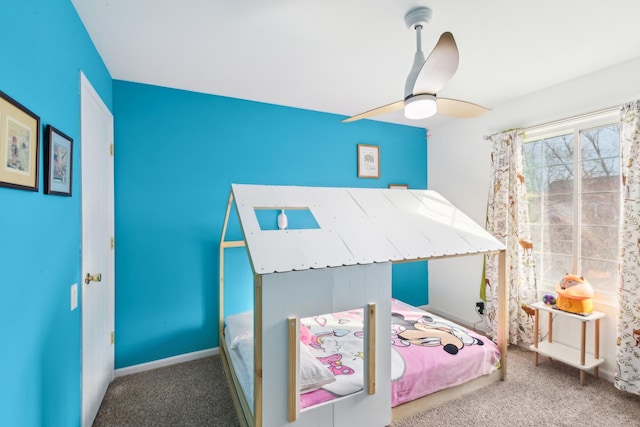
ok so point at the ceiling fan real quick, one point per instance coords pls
(427, 77)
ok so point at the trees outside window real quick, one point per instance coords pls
(573, 190)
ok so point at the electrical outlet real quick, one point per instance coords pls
(480, 307)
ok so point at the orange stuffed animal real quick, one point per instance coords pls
(575, 295)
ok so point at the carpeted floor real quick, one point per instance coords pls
(187, 394)
(196, 394)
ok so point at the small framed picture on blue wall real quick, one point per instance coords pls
(19, 141)
(368, 161)
(57, 162)
(399, 186)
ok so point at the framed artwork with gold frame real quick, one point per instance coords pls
(368, 161)
(19, 143)
(399, 186)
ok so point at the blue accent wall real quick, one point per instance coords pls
(44, 47)
(177, 153)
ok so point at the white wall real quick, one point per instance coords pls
(458, 168)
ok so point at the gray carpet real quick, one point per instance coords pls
(196, 394)
(187, 394)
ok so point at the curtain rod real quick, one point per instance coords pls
(562, 122)
(577, 118)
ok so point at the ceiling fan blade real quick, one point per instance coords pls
(439, 67)
(459, 109)
(398, 105)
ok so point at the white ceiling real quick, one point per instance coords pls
(349, 56)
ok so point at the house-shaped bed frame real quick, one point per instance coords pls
(343, 264)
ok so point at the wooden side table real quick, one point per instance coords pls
(569, 355)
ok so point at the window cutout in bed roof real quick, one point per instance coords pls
(297, 218)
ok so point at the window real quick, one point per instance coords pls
(572, 173)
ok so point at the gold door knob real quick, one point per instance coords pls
(92, 278)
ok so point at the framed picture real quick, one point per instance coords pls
(399, 186)
(58, 160)
(368, 161)
(19, 141)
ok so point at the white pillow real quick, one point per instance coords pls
(239, 327)
(313, 374)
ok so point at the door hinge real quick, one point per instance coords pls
(113, 244)
(111, 149)
(113, 338)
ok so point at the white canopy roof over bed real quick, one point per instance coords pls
(356, 226)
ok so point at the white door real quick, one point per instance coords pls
(96, 138)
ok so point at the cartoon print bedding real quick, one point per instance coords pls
(428, 354)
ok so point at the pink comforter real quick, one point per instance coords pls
(428, 353)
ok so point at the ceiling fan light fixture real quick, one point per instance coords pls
(427, 77)
(420, 107)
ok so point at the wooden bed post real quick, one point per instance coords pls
(240, 404)
(293, 340)
(503, 312)
(224, 245)
(257, 350)
(221, 271)
(371, 348)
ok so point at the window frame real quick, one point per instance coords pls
(575, 126)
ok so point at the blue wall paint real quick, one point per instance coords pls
(44, 47)
(177, 153)
(169, 212)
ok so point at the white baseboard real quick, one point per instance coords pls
(187, 357)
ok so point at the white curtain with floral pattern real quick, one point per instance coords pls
(628, 348)
(508, 221)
